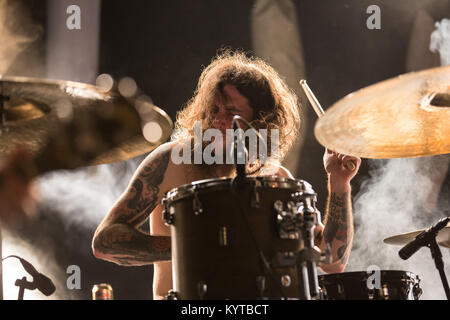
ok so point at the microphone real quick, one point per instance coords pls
(42, 283)
(422, 239)
(240, 167)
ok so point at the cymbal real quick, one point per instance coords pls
(443, 237)
(406, 116)
(68, 124)
(138, 145)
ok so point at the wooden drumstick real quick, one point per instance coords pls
(350, 165)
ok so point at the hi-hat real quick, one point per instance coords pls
(406, 116)
(443, 237)
(73, 124)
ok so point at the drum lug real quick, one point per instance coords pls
(172, 295)
(197, 205)
(261, 285)
(255, 202)
(384, 292)
(417, 291)
(202, 288)
(223, 237)
(168, 215)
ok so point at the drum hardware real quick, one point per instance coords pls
(289, 221)
(261, 286)
(223, 237)
(3, 125)
(295, 220)
(417, 290)
(196, 204)
(168, 214)
(202, 288)
(255, 195)
(239, 139)
(384, 292)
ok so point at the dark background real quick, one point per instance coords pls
(163, 45)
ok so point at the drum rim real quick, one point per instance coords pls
(410, 274)
(188, 189)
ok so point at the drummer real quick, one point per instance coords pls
(232, 84)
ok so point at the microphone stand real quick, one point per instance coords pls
(437, 257)
(24, 284)
(239, 179)
(428, 239)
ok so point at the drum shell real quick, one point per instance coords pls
(216, 247)
(394, 285)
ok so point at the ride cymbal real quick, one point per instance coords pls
(406, 116)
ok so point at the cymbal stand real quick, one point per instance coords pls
(2, 127)
(437, 257)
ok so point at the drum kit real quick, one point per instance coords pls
(253, 239)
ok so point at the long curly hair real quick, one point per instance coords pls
(275, 106)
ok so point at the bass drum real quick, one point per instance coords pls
(227, 242)
(392, 285)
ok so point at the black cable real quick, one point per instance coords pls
(236, 117)
(265, 263)
(12, 256)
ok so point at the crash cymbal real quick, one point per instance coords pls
(406, 116)
(77, 123)
(157, 129)
(443, 237)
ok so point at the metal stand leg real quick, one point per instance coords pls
(437, 257)
(1, 264)
(304, 279)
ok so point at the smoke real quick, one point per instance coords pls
(400, 196)
(17, 31)
(71, 203)
(84, 196)
(440, 41)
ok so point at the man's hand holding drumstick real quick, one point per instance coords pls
(340, 165)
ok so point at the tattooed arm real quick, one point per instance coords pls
(338, 229)
(118, 239)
